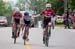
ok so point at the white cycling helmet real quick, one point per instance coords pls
(48, 5)
(17, 10)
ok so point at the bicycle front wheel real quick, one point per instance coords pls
(14, 40)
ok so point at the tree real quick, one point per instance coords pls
(37, 5)
(22, 3)
(58, 6)
(2, 7)
(71, 4)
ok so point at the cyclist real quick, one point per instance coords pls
(47, 14)
(27, 20)
(16, 19)
(66, 18)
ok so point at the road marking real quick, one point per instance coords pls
(28, 45)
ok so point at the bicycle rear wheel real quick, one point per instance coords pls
(14, 40)
(15, 36)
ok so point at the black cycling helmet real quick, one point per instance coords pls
(26, 14)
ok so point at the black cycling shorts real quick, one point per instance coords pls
(27, 23)
(17, 21)
(46, 21)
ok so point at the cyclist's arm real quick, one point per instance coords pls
(20, 18)
(35, 16)
(13, 18)
(38, 15)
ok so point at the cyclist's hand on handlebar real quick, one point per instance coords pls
(21, 25)
(12, 24)
(34, 16)
(38, 15)
(50, 23)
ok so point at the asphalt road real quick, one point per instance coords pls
(60, 39)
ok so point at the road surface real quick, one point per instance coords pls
(60, 39)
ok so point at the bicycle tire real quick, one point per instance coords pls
(24, 42)
(14, 40)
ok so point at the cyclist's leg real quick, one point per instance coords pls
(44, 33)
(27, 32)
(13, 28)
(22, 28)
(24, 36)
(12, 31)
(44, 22)
(26, 27)
(18, 22)
(49, 26)
(18, 30)
(67, 23)
(53, 22)
(44, 30)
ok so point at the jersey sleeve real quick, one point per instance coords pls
(42, 12)
(13, 14)
(20, 14)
